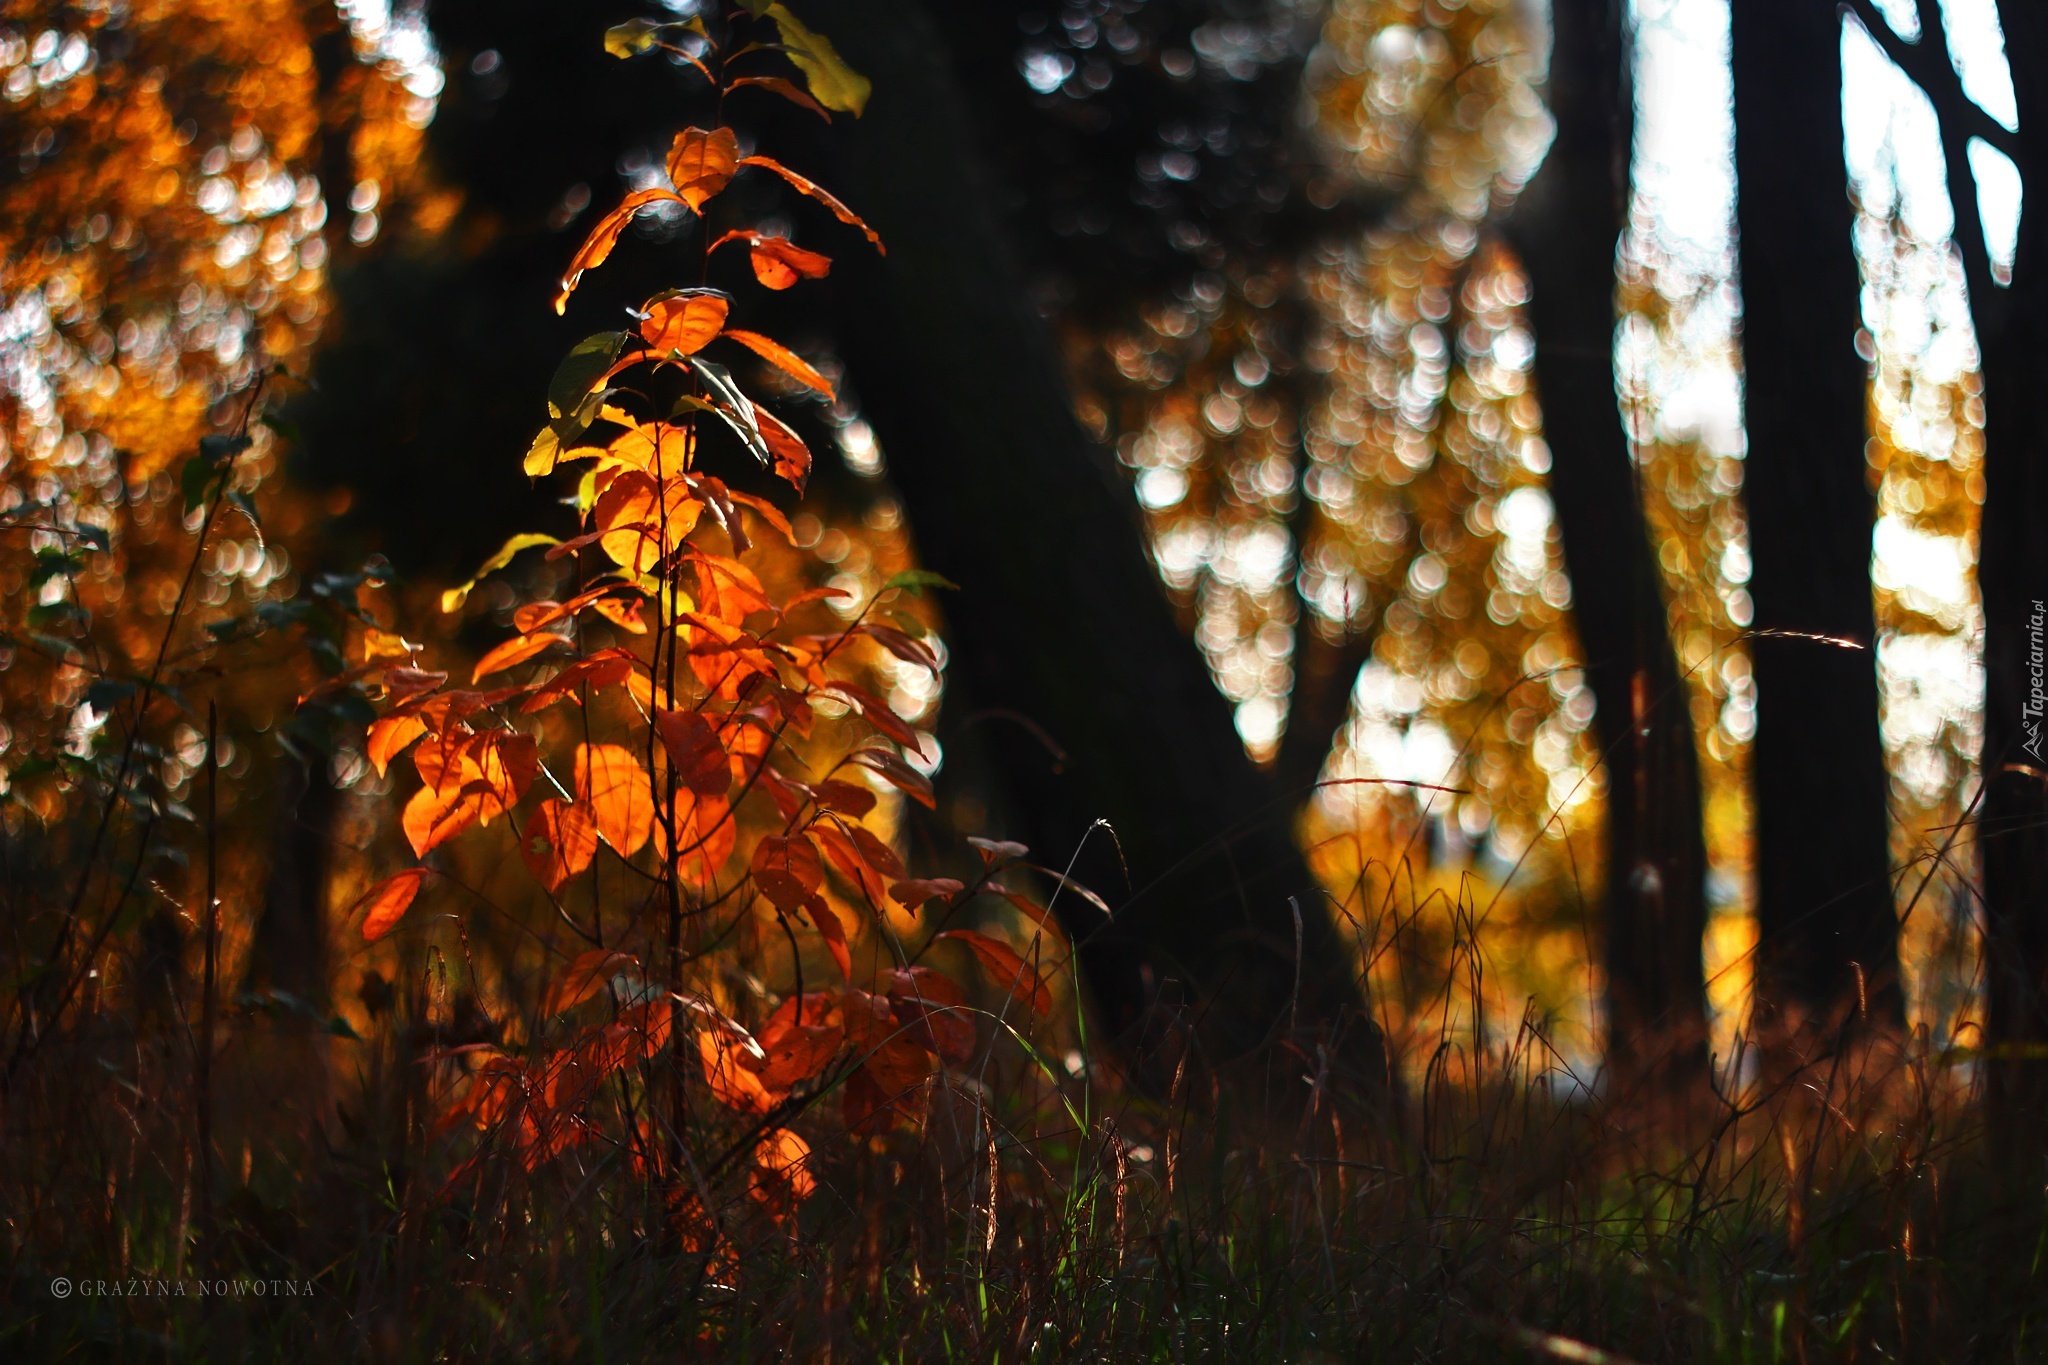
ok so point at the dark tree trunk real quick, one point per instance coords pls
(1824, 896)
(1566, 227)
(2012, 571)
(1060, 618)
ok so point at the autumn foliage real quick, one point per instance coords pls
(677, 728)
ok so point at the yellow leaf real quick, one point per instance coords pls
(836, 85)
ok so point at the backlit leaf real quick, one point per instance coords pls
(785, 88)
(787, 869)
(898, 773)
(805, 186)
(918, 890)
(732, 1084)
(701, 163)
(611, 782)
(516, 650)
(800, 1039)
(694, 752)
(792, 456)
(782, 358)
(1004, 967)
(388, 737)
(603, 237)
(779, 264)
(582, 370)
(640, 525)
(684, 320)
(453, 599)
(837, 85)
(590, 973)
(558, 842)
(386, 902)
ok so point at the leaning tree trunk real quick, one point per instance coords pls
(1567, 227)
(1824, 896)
(2012, 572)
(1060, 619)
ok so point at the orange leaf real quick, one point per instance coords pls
(782, 358)
(843, 854)
(786, 88)
(684, 320)
(432, 818)
(701, 163)
(706, 835)
(898, 773)
(799, 1040)
(385, 903)
(611, 782)
(733, 1085)
(934, 1010)
(590, 973)
(642, 524)
(787, 869)
(792, 456)
(694, 752)
(623, 612)
(917, 891)
(1004, 967)
(657, 448)
(780, 1179)
(604, 237)
(606, 668)
(558, 843)
(817, 192)
(514, 651)
(780, 263)
(388, 737)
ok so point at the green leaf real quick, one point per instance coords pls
(95, 536)
(833, 83)
(737, 409)
(283, 426)
(43, 616)
(51, 563)
(453, 599)
(193, 481)
(581, 370)
(104, 695)
(221, 450)
(915, 581)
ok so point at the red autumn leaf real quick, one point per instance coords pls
(611, 782)
(606, 668)
(799, 1040)
(898, 773)
(386, 903)
(933, 1010)
(782, 358)
(694, 752)
(918, 890)
(878, 714)
(877, 854)
(1004, 967)
(792, 456)
(706, 835)
(514, 651)
(787, 869)
(588, 974)
(558, 842)
(844, 797)
(684, 320)
(904, 647)
(604, 237)
(702, 163)
(623, 612)
(845, 856)
(805, 186)
(995, 851)
(829, 927)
